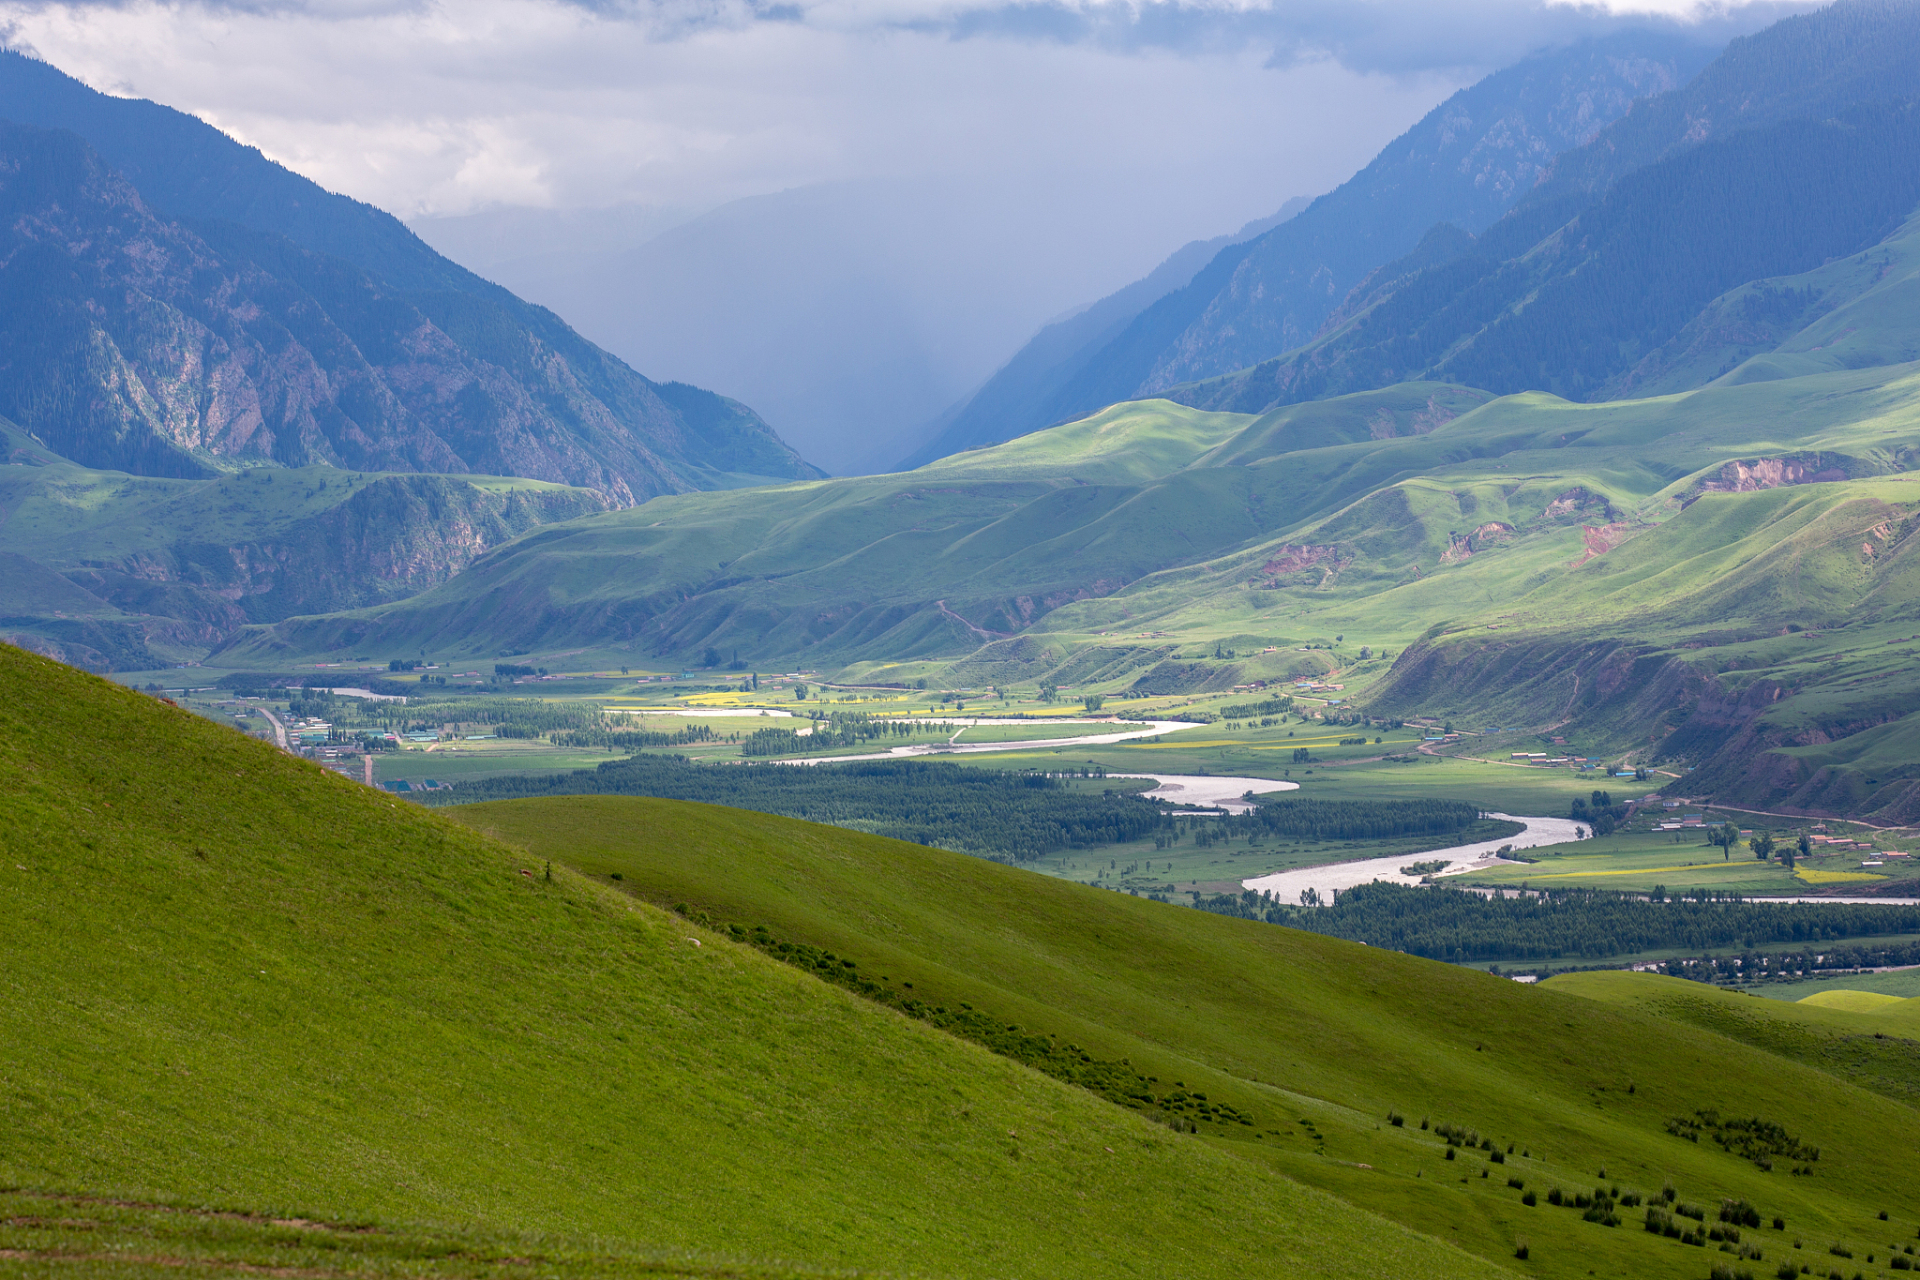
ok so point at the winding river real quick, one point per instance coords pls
(1287, 886)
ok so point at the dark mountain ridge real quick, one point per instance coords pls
(1467, 162)
(1575, 311)
(409, 361)
(1452, 310)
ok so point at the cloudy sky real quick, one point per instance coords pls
(428, 107)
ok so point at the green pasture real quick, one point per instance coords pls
(236, 982)
(1638, 860)
(1875, 1050)
(472, 761)
(1317, 1041)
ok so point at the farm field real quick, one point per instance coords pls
(1639, 861)
(479, 760)
(1904, 983)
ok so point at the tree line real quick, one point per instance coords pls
(1011, 816)
(1443, 923)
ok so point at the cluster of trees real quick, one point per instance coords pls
(1012, 816)
(1754, 965)
(1255, 710)
(614, 739)
(507, 717)
(1599, 812)
(1330, 820)
(837, 729)
(1351, 819)
(1444, 923)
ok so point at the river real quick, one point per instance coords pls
(1287, 886)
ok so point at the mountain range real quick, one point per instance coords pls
(1466, 163)
(1592, 463)
(178, 305)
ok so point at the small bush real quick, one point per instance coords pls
(1395, 1119)
(1517, 1183)
(1787, 1271)
(1520, 1250)
(1530, 1200)
(1779, 1224)
(1554, 1197)
(1449, 1153)
(1498, 1157)
(1901, 1262)
(1839, 1250)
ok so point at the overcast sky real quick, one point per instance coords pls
(1197, 116)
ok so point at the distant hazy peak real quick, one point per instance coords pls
(1847, 54)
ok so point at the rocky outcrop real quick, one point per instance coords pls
(392, 539)
(133, 341)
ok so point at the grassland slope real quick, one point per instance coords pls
(232, 981)
(1314, 1041)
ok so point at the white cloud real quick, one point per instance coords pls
(426, 106)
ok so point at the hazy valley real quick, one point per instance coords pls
(1388, 747)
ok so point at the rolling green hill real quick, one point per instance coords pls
(113, 570)
(255, 1015)
(1874, 1046)
(1313, 1042)
(1652, 569)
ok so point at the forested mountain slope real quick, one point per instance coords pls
(248, 316)
(1853, 54)
(1466, 162)
(1806, 67)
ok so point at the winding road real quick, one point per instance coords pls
(279, 730)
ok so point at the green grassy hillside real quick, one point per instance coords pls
(1850, 314)
(1876, 1049)
(236, 985)
(1313, 1041)
(167, 569)
(1301, 512)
